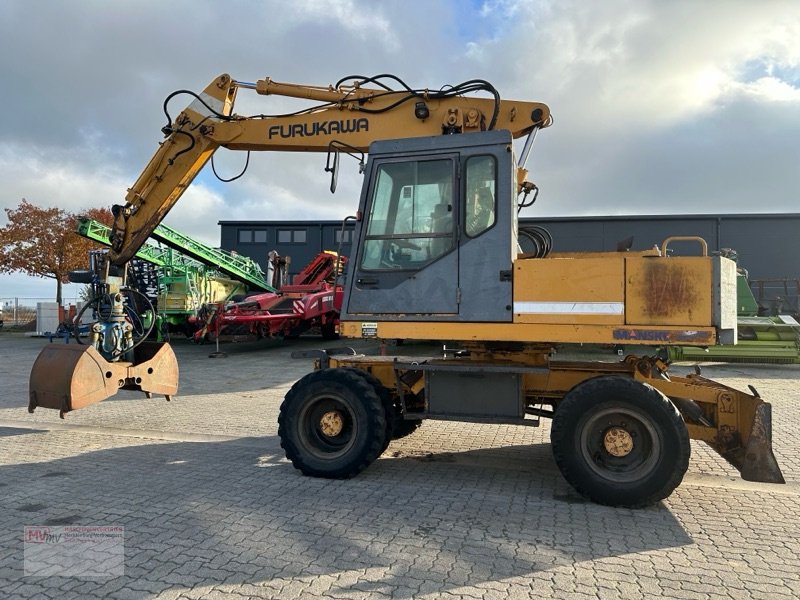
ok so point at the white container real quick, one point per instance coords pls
(46, 317)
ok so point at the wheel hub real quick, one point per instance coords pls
(618, 442)
(331, 423)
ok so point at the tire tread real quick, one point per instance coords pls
(375, 415)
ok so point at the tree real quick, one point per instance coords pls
(42, 242)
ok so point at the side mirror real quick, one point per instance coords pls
(333, 169)
(332, 161)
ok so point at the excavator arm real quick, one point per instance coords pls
(349, 114)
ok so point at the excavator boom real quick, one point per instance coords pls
(352, 115)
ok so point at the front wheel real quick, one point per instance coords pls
(332, 424)
(620, 442)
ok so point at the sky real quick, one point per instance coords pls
(678, 107)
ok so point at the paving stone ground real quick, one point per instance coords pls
(212, 509)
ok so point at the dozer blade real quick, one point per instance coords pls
(759, 463)
(68, 377)
(737, 425)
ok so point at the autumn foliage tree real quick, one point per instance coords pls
(42, 242)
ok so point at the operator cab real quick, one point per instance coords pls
(438, 230)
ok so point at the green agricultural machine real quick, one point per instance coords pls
(183, 275)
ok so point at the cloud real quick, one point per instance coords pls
(365, 21)
(53, 176)
(658, 50)
(658, 105)
(769, 89)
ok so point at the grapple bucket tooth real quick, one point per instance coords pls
(67, 377)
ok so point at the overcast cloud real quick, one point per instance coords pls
(660, 107)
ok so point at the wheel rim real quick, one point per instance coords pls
(618, 441)
(331, 423)
(327, 427)
(619, 444)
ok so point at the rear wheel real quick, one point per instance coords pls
(620, 442)
(332, 424)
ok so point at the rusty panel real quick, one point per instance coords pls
(68, 377)
(570, 290)
(155, 371)
(669, 291)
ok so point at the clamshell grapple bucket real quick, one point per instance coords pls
(67, 377)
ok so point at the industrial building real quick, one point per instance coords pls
(768, 245)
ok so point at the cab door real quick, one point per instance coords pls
(487, 236)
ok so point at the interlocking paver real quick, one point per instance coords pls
(212, 509)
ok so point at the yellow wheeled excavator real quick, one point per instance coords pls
(435, 256)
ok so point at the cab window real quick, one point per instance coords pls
(481, 204)
(410, 216)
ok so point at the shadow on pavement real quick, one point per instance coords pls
(202, 514)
